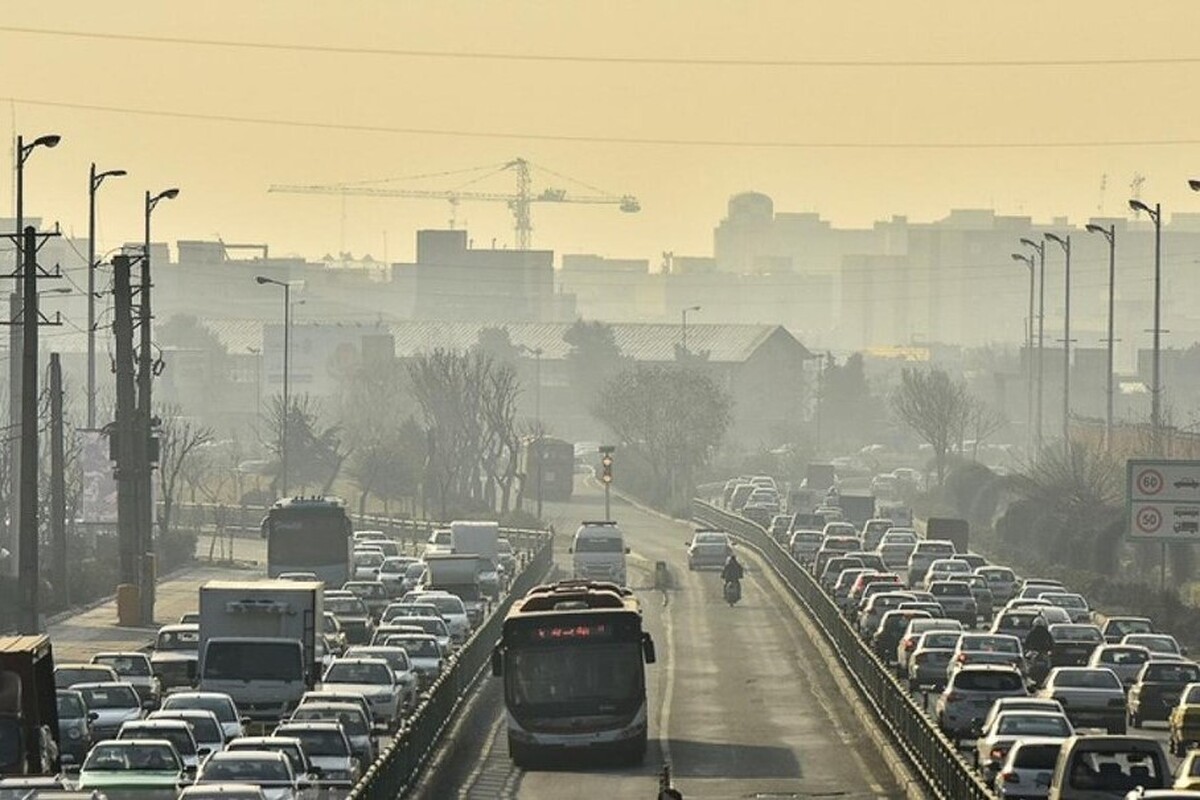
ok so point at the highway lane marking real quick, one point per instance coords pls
(664, 711)
(822, 698)
(493, 737)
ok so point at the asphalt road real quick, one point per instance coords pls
(740, 705)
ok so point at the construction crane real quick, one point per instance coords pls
(520, 202)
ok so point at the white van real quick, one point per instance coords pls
(598, 553)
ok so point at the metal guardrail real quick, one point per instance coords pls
(393, 773)
(935, 757)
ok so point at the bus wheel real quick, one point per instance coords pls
(520, 754)
(637, 751)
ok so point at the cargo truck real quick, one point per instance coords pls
(480, 538)
(28, 707)
(857, 508)
(457, 574)
(951, 530)
(260, 643)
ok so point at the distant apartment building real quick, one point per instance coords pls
(451, 280)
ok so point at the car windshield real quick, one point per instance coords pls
(354, 724)
(1124, 655)
(243, 770)
(140, 757)
(204, 727)
(599, 544)
(416, 648)
(1037, 756)
(346, 606)
(357, 672)
(1087, 679)
(367, 558)
(988, 681)
(1171, 673)
(319, 742)
(445, 604)
(183, 742)
(1108, 769)
(177, 640)
(990, 644)
(396, 657)
(132, 666)
(1033, 725)
(1073, 633)
(940, 641)
(220, 706)
(102, 697)
(70, 706)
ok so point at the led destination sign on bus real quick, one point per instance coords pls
(545, 631)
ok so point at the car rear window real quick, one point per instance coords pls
(1037, 756)
(988, 681)
(1114, 770)
(954, 589)
(1087, 679)
(1173, 673)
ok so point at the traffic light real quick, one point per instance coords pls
(606, 468)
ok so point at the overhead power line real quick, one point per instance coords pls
(562, 58)
(749, 144)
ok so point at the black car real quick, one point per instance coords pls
(1157, 689)
(74, 728)
(1073, 644)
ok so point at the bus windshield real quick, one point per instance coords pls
(591, 679)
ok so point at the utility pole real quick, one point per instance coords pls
(1156, 376)
(126, 469)
(1065, 243)
(1110, 234)
(27, 533)
(58, 487)
(1040, 249)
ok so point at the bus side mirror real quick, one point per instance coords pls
(497, 663)
(648, 653)
(570, 550)
(627, 551)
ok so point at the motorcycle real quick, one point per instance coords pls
(1038, 667)
(733, 591)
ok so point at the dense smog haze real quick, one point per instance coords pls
(525, 400)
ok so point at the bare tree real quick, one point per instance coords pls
(982, 420)
(180, 440)
(935, 407)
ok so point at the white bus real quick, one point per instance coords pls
(309, 534)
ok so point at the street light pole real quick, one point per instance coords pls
(1065, 243)
(145, 416)
(1155, 380)
(262, 280)
(683, 314)
(94, 181)
(1040, 249)
(1028, 261)
(536, 352)
(1110, 234)
(16, 341)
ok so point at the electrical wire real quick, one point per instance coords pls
(761, 144)
(683, 61)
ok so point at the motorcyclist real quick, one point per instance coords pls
(732, 572)
(1039, 640)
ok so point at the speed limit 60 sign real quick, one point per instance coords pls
(1162, 497)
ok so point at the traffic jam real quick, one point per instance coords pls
(278, 689)
(1045, 695)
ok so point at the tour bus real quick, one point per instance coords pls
(309, 534)
(571, 655)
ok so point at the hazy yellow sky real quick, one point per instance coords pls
(223, 168)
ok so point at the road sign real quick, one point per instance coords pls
(1162, 497)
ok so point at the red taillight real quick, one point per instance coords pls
(998, 754)
(951, 697)
(961, 658)
(1010, 777)
(909, 644)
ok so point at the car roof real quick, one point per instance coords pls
(245, 755)
(181, 713)
(199, 695)
(120, 654)
(103, 685)
(311, 725)
(322, 704)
